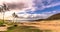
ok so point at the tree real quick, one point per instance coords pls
(3, 8)
(15, 16)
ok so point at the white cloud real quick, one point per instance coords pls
(8, 16)
(42, 4)
(52, 5)
(29, 5)
(32, 16)
(26, 16)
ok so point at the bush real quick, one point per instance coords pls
(15, 25)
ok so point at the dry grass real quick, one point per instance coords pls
(45, 25)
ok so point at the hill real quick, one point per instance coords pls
(54, 17)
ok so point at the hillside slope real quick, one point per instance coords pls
(54, 17)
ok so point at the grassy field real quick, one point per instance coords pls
(30, 26)
(23, 29)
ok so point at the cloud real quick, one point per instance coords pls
(19, 4)
(42, 4)
(26, 16)
(32, 16)
(30, 5)
(21, 7)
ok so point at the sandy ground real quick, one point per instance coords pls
(3, 28)
(46, 25)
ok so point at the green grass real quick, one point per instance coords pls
(1, 22)
(48, 30)
(23, 29)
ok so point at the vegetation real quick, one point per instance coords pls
(23, 29)
(54, 17)
(15, 28)
(47, 30)
(1, 22)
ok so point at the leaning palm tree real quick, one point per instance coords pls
(15, 16)
(3, 8)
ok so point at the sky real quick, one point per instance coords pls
(30, 9)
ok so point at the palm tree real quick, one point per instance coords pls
(3, 8)
(15, 16)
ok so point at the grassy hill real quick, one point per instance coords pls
(54, 17)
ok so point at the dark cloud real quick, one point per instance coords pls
(16, 5)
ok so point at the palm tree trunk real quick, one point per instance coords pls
(3, 16)
(13, 19)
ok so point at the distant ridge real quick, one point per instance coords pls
(54, 17)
